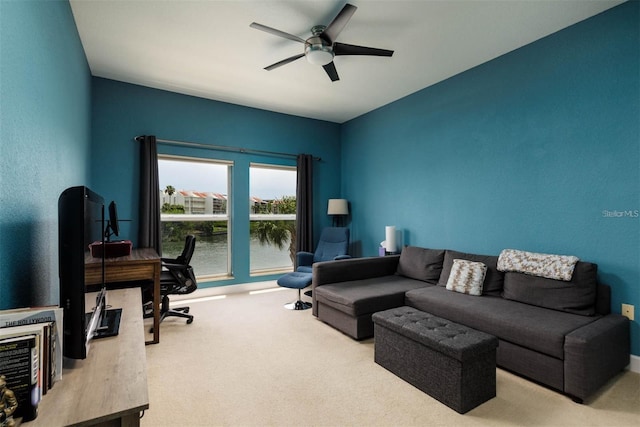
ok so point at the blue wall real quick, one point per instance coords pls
(122, 111)
(525, 151)
(45, 90)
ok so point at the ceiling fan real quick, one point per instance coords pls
(321, 47)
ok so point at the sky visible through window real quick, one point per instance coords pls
(269, 183)
(266, 183)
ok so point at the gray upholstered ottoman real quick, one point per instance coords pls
(450, 362)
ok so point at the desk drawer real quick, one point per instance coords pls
(120, 273)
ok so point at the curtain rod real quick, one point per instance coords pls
(224, 148)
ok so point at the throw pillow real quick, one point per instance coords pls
(494, 279)
(421, 264)
(466, 277)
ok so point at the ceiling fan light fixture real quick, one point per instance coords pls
(321, 47)
(318, 54)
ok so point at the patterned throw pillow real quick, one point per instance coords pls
(467, 277)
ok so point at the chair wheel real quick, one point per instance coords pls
(189, 321)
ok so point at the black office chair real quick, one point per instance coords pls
(177, 278)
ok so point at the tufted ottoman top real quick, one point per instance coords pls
(457, 341)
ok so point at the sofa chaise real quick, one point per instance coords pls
(559, 333)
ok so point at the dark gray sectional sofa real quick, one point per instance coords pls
(558, 333)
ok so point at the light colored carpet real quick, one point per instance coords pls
(247, 361)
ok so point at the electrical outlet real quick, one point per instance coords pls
(627, 311)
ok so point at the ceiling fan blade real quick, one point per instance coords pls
(330, 34)
(276, 32)
(349, 49)
(283, 62)
(330, 68)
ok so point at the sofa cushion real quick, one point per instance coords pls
(421, 264)
(493, 280)
(532, 327)
(366, 296)
(577, 296)
(467, 277)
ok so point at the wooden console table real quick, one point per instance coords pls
(109, 387)
(142, 264)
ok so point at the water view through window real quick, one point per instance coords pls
(195, 199)
(210, 257)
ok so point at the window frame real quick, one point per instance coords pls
(208, 217)
(269, 217)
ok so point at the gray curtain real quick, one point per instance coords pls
(149, 226)
(304, 203)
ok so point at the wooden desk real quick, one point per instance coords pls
(142, 264)
(109, 387)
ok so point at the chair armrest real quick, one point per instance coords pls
(304, 258)
(594, 353)
(175, 267)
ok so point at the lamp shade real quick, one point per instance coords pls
(338, 207)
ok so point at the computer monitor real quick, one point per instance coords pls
(112, 223)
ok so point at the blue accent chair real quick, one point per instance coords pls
(333, 245)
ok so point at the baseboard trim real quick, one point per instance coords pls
(227, 290)
(634, 366)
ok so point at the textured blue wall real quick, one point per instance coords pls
(122, 111)
(526, 151)
(45, 121)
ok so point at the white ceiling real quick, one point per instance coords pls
(207, 49)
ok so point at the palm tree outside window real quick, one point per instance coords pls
(272, 218)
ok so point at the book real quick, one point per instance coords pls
(38, 330)
(48, 315)
(19, 364)
(46, 383)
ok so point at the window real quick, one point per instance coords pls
(272, 218)
(194, 199)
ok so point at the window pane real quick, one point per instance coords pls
(212, 243)
(272, 221)
(194, 200)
